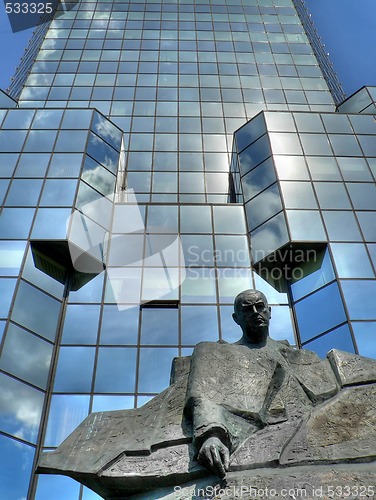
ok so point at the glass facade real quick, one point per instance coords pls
(161, 157)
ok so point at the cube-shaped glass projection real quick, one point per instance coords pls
(362, 101)
(297, 173)
(64, 180)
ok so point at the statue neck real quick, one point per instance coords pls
(255, 340)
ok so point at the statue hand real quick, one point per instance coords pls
(215, 456)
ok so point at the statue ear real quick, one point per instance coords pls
(270, 312)
(235, 318)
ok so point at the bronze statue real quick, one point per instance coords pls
(257, 412)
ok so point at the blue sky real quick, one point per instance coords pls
(347, 28)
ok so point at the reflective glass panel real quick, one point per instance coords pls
(332, 195)
(12, 454)
(98, 176)
(56, 487)
(298, 195)
(162, 219)
(360, 298)
(363, 195)
(306, 225)
(24, 192)
(254, 154)
(58, 192)
(351, 260)
(198, 250)
(195, 219)
(116, 369)
(199, 323)
(155, 368)
(21, 408)
(15, 222)
(269, 237)
(65, 165)
(50, 223)
(354, 169)
(159, 326)
(319, 312)
(263, 206)
(340, 338)
(75, 369)
(315, 279)
(119, 326)
(322, 168)
(103, 153)
(199, 286)
(367, 224)
(66, 413)
(231, 282)
(231, 251)
(11, 255)
(258, 179)
(81, 324)
(365, 336)
(36, 311)
(229, 219)
(7, 287)
(32, 165)
(315, 144)
(26, 356)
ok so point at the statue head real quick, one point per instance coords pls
(252, 313)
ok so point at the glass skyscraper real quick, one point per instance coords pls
(156, 158)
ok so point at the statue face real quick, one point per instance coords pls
(252, 312)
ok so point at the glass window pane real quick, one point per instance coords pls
(367, 224)
(199, 323)
(199, 286)
(298, 195)
(21, 408)
(162, 219)
(12, 454)
(351, 260)
(195, 219)
(26, 356)
(313, 280)
(40, 141)
(287, 144)
(24, 192)
(254, 154)
(365, 336)
(56, 487)
(58, 192)
(198, 250)
(50, 223)
(98, 176)
(116, 369)
(340, 338)
(332, 195)
(81, 324)
(7, 287)
(66, 413)
(291, 168)
(363, 195)
(354, 169)
(19, 119)
(47, 119)
(306, 225)
(316, 144)
(345, 145)
(281, 326)
(103, 153)
(337, 123)
(269, 237)
(65, 165)
(258, 179)
(75, 369)
(159, 326)
(36, 311)
(263, 206)
(232, 251)
(360, 298)
(319, 312)
(15, 222)
(68, 142)
(32, 165)
(11, 255)
(322, 168)
(229, 219)
(155, 368)
(119, 326)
